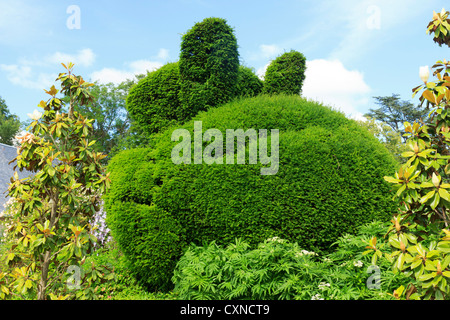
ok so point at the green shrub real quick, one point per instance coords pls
(146, 234)
(249, 85)
(209, 62)
(124, 286)
(285, 74)
(153, 103)
(278, 269)
(329, 182)
(274, 270)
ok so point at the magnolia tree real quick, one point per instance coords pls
(49, 231)
(420, 236)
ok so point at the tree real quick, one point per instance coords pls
(420, 232)
(285, 74)
(49, 229)
(395, 112)
(390, 138)
(440, 25)
(9, 124)
(111, 121)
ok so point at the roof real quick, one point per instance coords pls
(8, 153)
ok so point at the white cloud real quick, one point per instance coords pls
(24, 73)
(261, 72)
(23, 76)
(265, 52)
(163, 54)
(84, 57)
(329, 82)
(107, 75)
(270, 51)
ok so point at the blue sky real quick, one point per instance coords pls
(355, 49)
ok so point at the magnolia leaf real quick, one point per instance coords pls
(392, 180)
(425, 277)
(427, 94)
(426, 185)
(407, 154)
(435, 201)
(400, 190)
(427, 196)
(444, 194)
(51, 171)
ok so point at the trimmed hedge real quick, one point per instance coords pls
(285, 74)
(153, 103)
(209, 62)
(248, 83)
(329, 182)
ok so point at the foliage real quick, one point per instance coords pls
(274, 270)
(9, 124)
(49, 231)
(209, 64)
(419, 235)
(124, 286)
(285, 74)
(248, 83)
(279, 269)
(153, 103)
(111, 122)
(144, 232)
(329, 182)
(440, 26)
(395, 112)
(390, 138)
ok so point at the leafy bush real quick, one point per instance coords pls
(329, 182)
(209, 63)
(419, 233)
(124, 286)
(285, 74)
(147, 234)
(153, 103)
(275, 270)
(278, 269)
(249, 85)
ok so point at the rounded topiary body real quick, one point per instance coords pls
(153, 102)
(329, 182)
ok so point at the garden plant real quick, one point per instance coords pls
(49, 234)
(420, 234)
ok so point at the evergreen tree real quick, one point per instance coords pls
(394, 112)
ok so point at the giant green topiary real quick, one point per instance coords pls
(209, 62)
(285, 74)
(329, 182)
(153, 103)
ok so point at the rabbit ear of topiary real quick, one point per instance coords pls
(209, 65)
(285, 74)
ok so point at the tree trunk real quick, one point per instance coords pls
(44, 274)
(46, 261)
